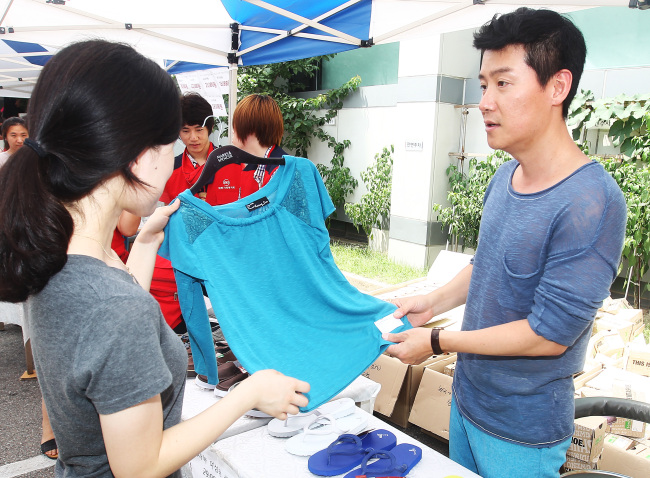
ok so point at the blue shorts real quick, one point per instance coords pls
(492, 457)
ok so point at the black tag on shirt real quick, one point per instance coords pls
(257, 204)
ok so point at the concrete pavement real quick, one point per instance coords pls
(20, 413)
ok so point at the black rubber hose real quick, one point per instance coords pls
(612, 407)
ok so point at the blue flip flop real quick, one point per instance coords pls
(396, 462)
(349, 451)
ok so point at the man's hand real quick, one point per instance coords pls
(412, 346)
(419, 309)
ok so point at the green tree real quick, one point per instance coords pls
(634, 180)
(628, 120)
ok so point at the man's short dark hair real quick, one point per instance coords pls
(195, 109)
(551, 41)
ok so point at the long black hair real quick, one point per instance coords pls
(96, 106)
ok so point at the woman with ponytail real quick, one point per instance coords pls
(102, 122)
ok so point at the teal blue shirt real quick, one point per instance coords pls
(280, 299)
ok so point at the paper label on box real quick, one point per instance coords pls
(619, 441)
(388, 324)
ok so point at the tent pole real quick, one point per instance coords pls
(233, 61)
(232, 96)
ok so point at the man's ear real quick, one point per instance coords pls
(560, 85)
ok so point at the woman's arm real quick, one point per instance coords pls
(142, 257)
(137, 446)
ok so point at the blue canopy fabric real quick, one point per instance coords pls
(23, 47)
(353, 21)
(198, 36)
(20, 67)
(174, 67)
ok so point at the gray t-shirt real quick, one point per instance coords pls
(101, 345)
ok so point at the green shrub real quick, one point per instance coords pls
(466, 191)
(374, 206)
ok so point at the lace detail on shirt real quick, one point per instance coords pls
(195, 222)
(296, 199)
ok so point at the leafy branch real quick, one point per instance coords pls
(374, 206)
(634, 181)
(463, 216)
(626, 117)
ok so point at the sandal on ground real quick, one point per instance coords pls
(396, 462)
(49, 446)
(349, 451)
(294, 424)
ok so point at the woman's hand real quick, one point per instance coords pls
(145, 248)
(275, 393)
(152, 231)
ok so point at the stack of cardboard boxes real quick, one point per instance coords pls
(617, 366)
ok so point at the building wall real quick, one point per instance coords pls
(417, 111)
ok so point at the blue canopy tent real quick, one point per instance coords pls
(196, 34)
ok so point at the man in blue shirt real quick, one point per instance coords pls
(549, 247)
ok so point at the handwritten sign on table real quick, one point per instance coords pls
(210, 466)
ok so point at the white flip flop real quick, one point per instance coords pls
(295, 424)
(318, 434)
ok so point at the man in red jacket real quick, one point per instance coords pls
(188, 166)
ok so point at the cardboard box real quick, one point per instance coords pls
(441, 361)
(644, 452)
(585, 376)
(637, 359)
(635, 316)
(645, 441)
(399, 384)
(624, 328)
(618, 441)
(449, 369)
(588, 392)
(588, 438)
(611, 344)
(432, 405)
(608, 362)
(622, 384)
(614, 306)
(573, 464)
(632, 462)
(627, 428)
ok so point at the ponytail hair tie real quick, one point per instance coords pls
(30, 143)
